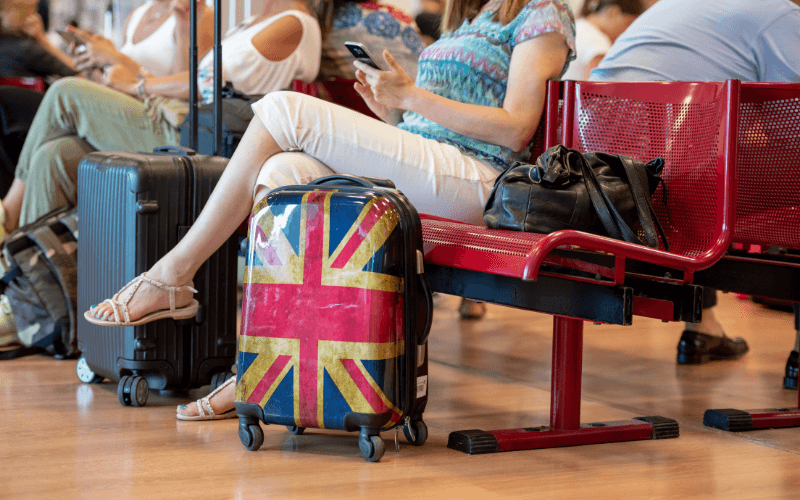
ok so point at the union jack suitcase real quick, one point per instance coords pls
(336, 314)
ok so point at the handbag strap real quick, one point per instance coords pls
(650, 223)
(611, 219)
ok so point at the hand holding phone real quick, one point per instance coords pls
(361, 53)
(70, 37)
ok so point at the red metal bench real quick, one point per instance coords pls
(767, 219)
(26, 82)
(578, 276)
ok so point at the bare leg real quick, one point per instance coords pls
(12, 204)
(221, 402)
(228, 205)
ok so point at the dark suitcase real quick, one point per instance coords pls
(236, 115)
(335, 315)
(133, 208)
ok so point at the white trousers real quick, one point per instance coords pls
(437, 178)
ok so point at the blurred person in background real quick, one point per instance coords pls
(712, 40)
(600, 23)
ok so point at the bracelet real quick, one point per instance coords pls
(140, 89)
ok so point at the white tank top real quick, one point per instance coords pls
(252, 73)
(157, 53)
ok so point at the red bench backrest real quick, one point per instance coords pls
(691, 124)
(768, 170)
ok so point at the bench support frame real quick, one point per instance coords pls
(565, 428)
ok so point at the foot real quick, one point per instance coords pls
(148, 298)
(471, 309)
(221, 403)
(697, 348)
(790, 380)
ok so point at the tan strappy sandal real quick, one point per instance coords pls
(184, 312)
(204, 409)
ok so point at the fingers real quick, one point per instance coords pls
(367, 69)
(87, 37)
(391, 61)
(84, 62)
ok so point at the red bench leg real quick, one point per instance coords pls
(728, 419)
(565, 410)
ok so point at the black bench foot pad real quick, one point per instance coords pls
(728, 419)
(473, 442)
(663, 427)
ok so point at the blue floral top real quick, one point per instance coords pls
(471, 64)
(378, 27)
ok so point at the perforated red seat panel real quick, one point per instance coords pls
(768, 170)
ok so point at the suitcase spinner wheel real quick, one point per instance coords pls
(416, 432)
(250, 434)
(133, 390)
(85, 374)
(219, 378)
(372, 447)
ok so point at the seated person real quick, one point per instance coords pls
(76, 117)
(714, 40)
(471, 113)
(377, 26)
(601, 22)
(156, 35)
(24, 47)
(156, 40)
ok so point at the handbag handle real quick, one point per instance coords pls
(650, 222)
(611, 219)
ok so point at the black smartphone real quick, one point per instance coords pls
(362, 54)
(70, 37)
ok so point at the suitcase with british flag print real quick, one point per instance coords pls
(335, 316)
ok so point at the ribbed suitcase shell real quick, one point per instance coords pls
(322, 332)
(133, 208)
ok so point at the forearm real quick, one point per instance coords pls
(512, 130)
(55, 51)
(176, 86)
(129, 63)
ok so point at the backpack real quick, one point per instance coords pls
(39, 261)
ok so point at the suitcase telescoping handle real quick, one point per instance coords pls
(352, 180)
(193, 91)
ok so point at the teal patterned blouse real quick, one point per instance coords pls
(470, 65)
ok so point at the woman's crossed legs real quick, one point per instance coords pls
(437, 179)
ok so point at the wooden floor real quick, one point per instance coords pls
(60, 439)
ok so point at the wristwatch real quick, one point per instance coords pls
(140, 90)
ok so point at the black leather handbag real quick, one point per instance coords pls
(600, 193)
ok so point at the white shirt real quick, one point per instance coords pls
(158, 52)
(590, 42)
(252, 73)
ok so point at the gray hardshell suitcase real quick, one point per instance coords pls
(133, 208)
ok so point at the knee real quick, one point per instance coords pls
(66, 90)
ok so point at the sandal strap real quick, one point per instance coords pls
(115, 307)
(204, 404)
(131, 288)
(171, 289)
(200, 409)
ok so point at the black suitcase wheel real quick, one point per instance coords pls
(416, 432)
(251, 436)
(296, 430)
(372, 448)
(85, 374)
(219, 378)
(124, 399)
(139, 391)
(132, 391)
